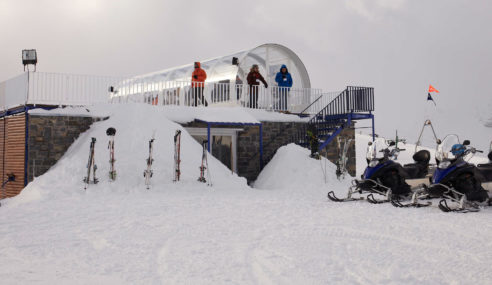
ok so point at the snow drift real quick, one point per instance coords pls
(135, 125)
(291, 169)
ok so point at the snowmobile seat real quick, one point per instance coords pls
(486, 171)
(419, 169)
(422, 156)
(415, 170)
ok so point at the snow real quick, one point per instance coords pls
(182, 114)
(284, 231)
(88, 111)
(291, 169)
(271, 116)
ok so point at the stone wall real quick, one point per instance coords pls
(49, 137)
(275, 135)
(332, 150)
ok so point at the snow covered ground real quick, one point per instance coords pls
(283, 231)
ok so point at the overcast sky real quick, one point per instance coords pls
(397, 46)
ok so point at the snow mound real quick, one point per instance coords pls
(135, 125)
(292, 168)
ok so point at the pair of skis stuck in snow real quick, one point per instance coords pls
(91, 164)
(148, 172)
(204, 170)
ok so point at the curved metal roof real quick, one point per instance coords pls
(269, 58)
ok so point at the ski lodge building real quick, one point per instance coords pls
(242, 137)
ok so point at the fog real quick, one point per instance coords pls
(398, 47)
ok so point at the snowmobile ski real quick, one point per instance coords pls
(443, 206)
(177, 155)
(111, 132)
(332, 197)
(149, 172)
(367, 186)
(91, 166)
(414, 201)
(370, 198)
(399, 204)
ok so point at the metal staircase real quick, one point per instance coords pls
(352, 104)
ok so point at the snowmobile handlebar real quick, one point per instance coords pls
(474, 150)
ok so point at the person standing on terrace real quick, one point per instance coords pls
(284, 81)
(254, 78)
(198, 78)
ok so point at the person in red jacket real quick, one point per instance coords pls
(254, 78)
(198, 84)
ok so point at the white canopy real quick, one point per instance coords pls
(269, 57)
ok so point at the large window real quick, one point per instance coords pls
(223, 143)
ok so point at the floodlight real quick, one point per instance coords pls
(29, 56)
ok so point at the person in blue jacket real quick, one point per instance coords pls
(284, 81)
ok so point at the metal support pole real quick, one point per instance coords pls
(208, 137)
(261, 146)
(26, 145)
(373, 132)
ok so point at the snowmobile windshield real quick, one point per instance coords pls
(376, 149)
(444, 150)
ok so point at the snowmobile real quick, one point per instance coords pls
(457, 180)
(486, 171)
(386, 177)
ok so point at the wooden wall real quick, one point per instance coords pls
(12, 153)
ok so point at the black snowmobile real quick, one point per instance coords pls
(386, 177)
(456, 180)
(486, 171)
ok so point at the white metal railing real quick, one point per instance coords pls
(13, 92)
(185, 94)
(69, 89)
(40, 88)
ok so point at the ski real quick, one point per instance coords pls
(399, 204)
(370, 198)
(177, 155)
(91, 166)
(148, 172)
(414, 201)
(341, 162)
(332, 197)
(443, 206)
(204, 166)
(366, 186)
(112, 172)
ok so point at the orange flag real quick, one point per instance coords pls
(432, 89)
